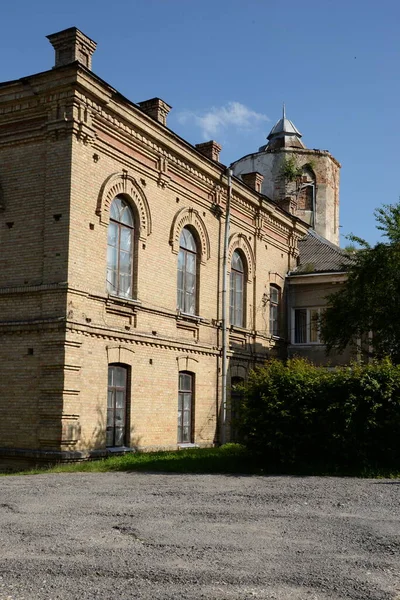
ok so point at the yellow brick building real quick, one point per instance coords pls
(111, 270)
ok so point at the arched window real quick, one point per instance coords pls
(274, 302)
(116, 432)
(185, 407)
(236, 303)
(120, 249)
(187, 272)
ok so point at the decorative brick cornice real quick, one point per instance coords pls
(163, 177)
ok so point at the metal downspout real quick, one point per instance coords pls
(224, 304)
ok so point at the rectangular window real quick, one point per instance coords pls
(236, 299)
(185, 408)
(274, 302)
(236, 400)
(116, 406)
(305, 328)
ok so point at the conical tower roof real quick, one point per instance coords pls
(284, 134)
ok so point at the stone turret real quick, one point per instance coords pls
(302, 181)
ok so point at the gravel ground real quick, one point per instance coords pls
(160, 536)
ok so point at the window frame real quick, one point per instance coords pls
(126, 408)
(308, 328)
(181, 409)
(276, 305)
(234, 276)
(185, 299)
(116, 267)
(235, 399)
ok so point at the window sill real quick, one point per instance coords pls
(242, 330)
(185, 445)
(122, 300)
(305, 344)
(181, 316)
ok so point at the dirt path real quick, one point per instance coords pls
(152, 536)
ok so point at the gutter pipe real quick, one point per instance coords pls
(224, 304)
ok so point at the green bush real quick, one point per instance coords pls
(297, 415)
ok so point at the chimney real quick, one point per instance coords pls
(72, 45)
(289, 204)
(156, 108)
(253, 180)
(210, 149)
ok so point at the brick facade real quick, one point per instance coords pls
(69, 144)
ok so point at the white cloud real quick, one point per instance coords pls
(216, 119)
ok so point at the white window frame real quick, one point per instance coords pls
(277, 305)
(319, 311)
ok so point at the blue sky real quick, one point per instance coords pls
(226, 66)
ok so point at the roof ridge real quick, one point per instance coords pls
(326, 242)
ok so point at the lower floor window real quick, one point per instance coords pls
(185, 407)
(306, 326)
(236, 400)
(116, 406)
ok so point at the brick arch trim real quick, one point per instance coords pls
(120, 354)
(122, 183)
(240, 241)
(190, 216)
(187, 363)
(238, 371)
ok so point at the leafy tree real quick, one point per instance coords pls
(368, 304)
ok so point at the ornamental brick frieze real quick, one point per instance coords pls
(259, 225)
(276, 241)
(147, 140)
(274, 223)
(163, 177)
(70, 116)
(216, 197)
(160, 344)
(292, 241)
(82, 117)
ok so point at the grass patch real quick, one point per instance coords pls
(228, 459)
